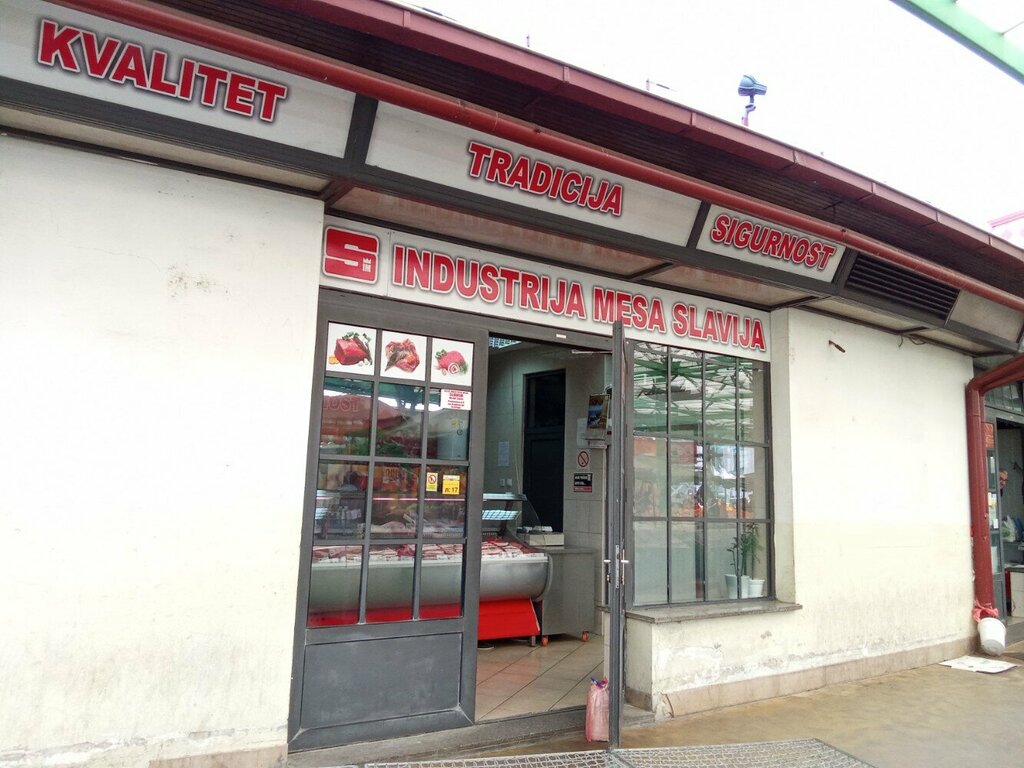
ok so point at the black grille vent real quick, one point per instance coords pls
(901, 287)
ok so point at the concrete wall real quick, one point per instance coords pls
(872, 535)
(156, 333)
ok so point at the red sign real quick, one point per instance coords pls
(351, 255)
(765, 240)
(80, 51)
(498, 166)
(583, 458)
(990, 435)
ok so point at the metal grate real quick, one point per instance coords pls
(901, 287)
(593, 759)
(804, 753)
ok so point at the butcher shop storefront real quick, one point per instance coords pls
(373, 379)
(458, 510)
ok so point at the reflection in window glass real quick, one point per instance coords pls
(650, 559)
(334, 586)
(722, 581)
(340, 499)
(650, 387)
(650, 477)
(687, 555)
(720, 397)
(753, 481)
(706, 468)
(685, 465)
(389, 583)
(399, 420)
(752, 407)
(720, 481)
(440, 581)
(686, 393)
(444, 510)
(346, 415)
(394, 507)
(447, 430)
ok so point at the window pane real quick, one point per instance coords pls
(441, 581)
(334, 586)
(753, 408)
(341, 499)
(650, 387)
(686, 479)
(753, 471)
(399, 420)
(389, 583)
(685, 393)
(721, 570)
(394, 508)
(687, 558)
(444, 511)
(345, 419)
(447, 428)
(719, 488)
(720, 397)
(650, 477)
(650, 561)
(753, 559)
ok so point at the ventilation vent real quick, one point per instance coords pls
(901, 288)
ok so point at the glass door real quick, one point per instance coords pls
(387, 625)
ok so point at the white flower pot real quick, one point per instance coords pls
(744, 586)
(756, 588)
(730, 586)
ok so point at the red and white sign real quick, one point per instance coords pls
(59, 48)
(428, 271)
(456, 400)
(350, 255)
(583, 458)
(761, 242)
(446, 153)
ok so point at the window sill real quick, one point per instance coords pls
(679, 613)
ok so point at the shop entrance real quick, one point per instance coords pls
(421, 551)
(1007, 537)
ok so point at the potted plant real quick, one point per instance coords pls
(744, 557)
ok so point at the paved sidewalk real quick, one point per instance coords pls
(932, 717)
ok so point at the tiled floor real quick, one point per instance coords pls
(514, 679)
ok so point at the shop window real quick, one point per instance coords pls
(701, 516)
(392, 478)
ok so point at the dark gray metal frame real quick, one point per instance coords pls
(629, 483)
(359, 310)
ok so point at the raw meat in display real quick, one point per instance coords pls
(402, 355)
(451, 362)
(352, 349)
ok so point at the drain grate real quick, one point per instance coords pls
(804, 753)
(593, 759)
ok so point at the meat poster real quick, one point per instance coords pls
(403, 356)
(452, 362)
(351, 348)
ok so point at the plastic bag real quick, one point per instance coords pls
(596, 728)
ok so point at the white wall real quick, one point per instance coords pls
(872, 507)
(156, 333)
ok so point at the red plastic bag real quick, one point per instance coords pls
(984, 612)
(596, 728)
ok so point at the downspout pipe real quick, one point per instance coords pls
(1007, 373)
(326, 70)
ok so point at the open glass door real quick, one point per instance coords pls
(387, 621)
(615, 562)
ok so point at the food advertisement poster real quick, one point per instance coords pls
(403, 356)
(452, 362)
(350, 348)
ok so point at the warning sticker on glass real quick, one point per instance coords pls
(431, 482)
(456, 399)
(451, 485)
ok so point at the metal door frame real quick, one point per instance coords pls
(335, 306)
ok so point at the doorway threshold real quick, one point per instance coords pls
(441, 744)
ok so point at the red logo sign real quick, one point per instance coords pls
(351, 255)
(583, 458)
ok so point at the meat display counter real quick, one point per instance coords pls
(512, 576)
